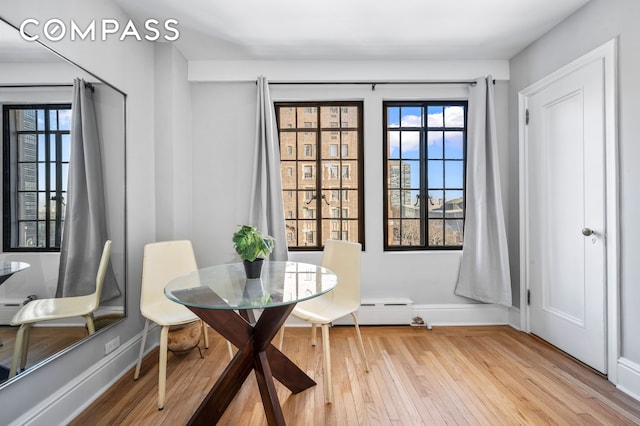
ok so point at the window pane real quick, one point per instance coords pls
(454, 174)
(307, 233)
(52, 179)
(53, 120)
(287, 117)
(329, 117)
(393, 232)
(410, 204)
(42, 176)
(27, 147)
(436, 233)
(349, 172)
(287, 145)
(434, 144)
(307, 117)
(27, 177)
(435, 177)
(411, 116)
(291, 232)
(64, 119)
(306, 145)
(27, 234)
(410, 144)
(454, 232)
(454, 116)
(454, 204)
(394, 203)
(42, 148)
(393, 144)
(349, 116)
(307, 172)
(410, 174)
(66, 147)
(453, 145)
(52, 234)
(40, 119)
(393, 117)
(435, 116)
(435, 205)
(25, 119)
(65, 176)
(27, 206)
(349, 147)
(289, 175)
(410, 233)
(42, 206)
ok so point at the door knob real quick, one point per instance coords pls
(587, 231)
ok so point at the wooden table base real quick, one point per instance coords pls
(255, 352)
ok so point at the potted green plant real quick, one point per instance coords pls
(252, 247)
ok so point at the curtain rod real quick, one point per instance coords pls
(373, 84)
(87, 85)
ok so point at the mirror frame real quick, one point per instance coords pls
(125, 272)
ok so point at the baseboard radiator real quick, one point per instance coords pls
(385, 311)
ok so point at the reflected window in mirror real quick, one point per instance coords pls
(36, 144)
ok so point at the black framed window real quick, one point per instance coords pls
(321, 163)
(424, 174)
(36, 147)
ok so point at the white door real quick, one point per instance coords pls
(565, 192)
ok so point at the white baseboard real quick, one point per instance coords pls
(629, 378)
(463, 314)
(78, 394)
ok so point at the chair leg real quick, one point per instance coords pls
(313, 334)
(162, 373)
(136, 374)
(25, 345)
(90, 325)
(362, 352)
(328, 390)
(17, 349)
(205, 333)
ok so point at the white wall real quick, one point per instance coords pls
(596, 23)
(224, 131)
(129, 66)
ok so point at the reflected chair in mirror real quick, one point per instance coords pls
(342, 258)
(164, 261)
(57, 308)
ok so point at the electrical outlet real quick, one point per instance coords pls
(111, 345)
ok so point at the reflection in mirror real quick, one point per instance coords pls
(36, 98)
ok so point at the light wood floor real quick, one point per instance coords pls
(450, 375)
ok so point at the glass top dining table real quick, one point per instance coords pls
(225, 299)
(226, 286)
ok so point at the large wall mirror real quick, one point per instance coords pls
(36, 99)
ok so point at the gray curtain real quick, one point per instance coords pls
(85, 223)
(484, 271)
(266, 211)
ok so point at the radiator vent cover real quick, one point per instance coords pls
(383, 311)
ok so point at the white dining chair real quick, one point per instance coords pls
(57, 308)
(162, 262)
(342, 258)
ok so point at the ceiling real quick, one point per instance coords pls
(354, 29)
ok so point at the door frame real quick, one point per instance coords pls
(607, 55)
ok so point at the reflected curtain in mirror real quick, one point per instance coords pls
(484, 268)
(266, 211)
(85, 226)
